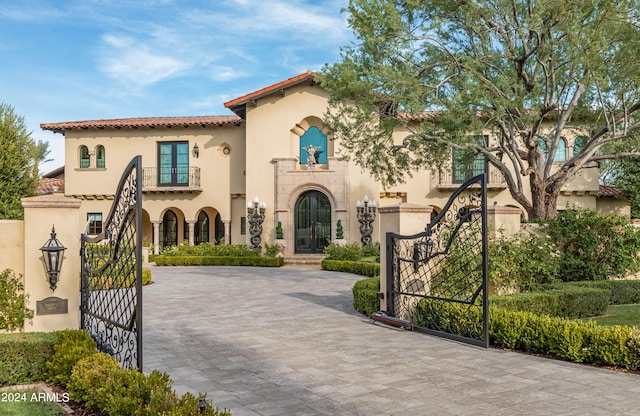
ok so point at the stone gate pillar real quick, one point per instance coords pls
(406, 219)
(59, 309)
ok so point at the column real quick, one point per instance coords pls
(405, 219)
(156, 236)
(227, 231)
(192, 232)
(60, 308)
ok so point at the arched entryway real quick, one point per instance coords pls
(312, 222)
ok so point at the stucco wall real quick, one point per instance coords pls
(12, 245)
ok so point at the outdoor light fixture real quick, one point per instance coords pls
(255, 216)
(52, 256)
(366, 214)
(202, 405)
(196, 151)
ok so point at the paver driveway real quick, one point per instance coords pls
(265, 341)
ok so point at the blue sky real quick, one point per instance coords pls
(71, 60)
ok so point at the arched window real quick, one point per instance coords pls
(561, 151)
(313, 147)
(578, 144)
(84, 157)
(542, 144)
(100, 157)
(202, 228)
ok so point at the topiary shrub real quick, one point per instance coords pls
(13, 309)
(365, 295)
(279, 232)
(88, 375)
(72, 346)
(339, 230)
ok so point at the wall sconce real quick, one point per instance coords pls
(255, 216)
(366, 214)
(52, 256)
(226, 150)
(196, 151)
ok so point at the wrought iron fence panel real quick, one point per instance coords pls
(437, 279)
(111, 292)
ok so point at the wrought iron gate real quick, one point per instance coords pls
(111, 292)
(437, 280)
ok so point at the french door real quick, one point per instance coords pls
(312, 223)
(173, 164)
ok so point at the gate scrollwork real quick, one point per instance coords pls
(437, 279)
(111, 292)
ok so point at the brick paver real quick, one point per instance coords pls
(268, 341)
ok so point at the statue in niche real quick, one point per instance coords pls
(313, 154)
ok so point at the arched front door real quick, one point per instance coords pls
(312, 223)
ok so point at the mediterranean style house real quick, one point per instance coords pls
(201, 172)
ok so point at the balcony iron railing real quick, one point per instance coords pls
(171, 179)
(494, 179)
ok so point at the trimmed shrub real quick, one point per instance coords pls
(72, 346)
(348, 252)
(162, 260)
(122, 393)
(623, 292)
(633, 345)
(454, 318)
(89, 374)
(13, 309)
(355, 267)
(207, 249)
(23, 357)
(365, 295)
(566, 302)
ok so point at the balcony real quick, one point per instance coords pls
(171, 180)
(495, 180)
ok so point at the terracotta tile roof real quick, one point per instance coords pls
(307, 76)
(50, 185)
(609, 191)
(55, 173)
(149, 122)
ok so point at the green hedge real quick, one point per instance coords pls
(23, 357)
(623, 292)
(565, 301)
(161, 260)
(577, 341)
(365, 295)
(355, 267)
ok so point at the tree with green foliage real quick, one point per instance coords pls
(625, 172)
(40, 153)
(16, 163)
(448, 71)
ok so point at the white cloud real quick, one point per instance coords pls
(133, 62)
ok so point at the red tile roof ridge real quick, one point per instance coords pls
(609, 191)
(144, 122)
(266, 90)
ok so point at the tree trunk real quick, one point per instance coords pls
(544, 198)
